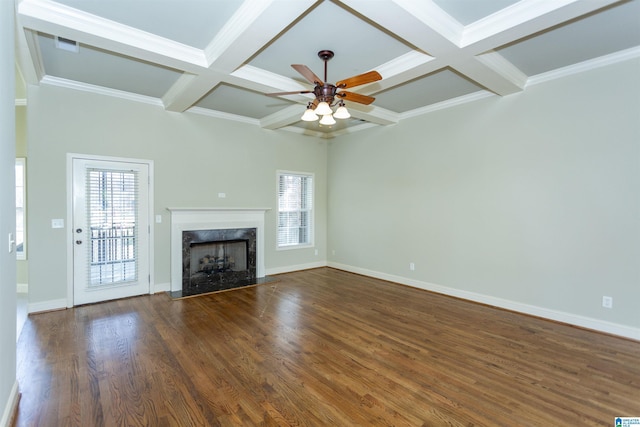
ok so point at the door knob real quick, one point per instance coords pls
(78, 242)
(78, 230)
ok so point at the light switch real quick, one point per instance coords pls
(158, 219)
(57, 223)
(12, 242)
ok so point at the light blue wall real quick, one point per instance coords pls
(532, 199)
(195, 158)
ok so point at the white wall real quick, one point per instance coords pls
(8, 383)
(195, 158)
(530, 201)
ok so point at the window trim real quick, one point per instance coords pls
(311, 242)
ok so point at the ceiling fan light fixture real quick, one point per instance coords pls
(323, 109)
(309, 115)
(326, 93)
(328, 120)
(341, 112)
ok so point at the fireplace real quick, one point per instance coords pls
(216, 249)
(217, 258)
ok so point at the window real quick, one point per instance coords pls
(21, 244)
(295, 210)
(112, 209)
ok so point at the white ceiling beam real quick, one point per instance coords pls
(28, 56)
(373, 114)
(264, 81)
(523, 19)
(188, 89)
(253, 25)
(407, 67)
(493, 72)
(424, 25)
(60, 20)
(409, 20)
(282, 118)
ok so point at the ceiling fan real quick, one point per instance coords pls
(326, 93)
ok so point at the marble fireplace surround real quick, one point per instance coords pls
(194, 219)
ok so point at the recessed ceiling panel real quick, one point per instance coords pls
(358, 45)
(612, 30)
(468, 11)
(192, 22)
(242, 102)
(434, 88)
(101, 68)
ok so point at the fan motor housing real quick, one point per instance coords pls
(325, 93)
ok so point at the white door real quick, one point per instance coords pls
(110, 230)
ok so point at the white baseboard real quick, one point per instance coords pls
(60, 304)
(160, 287)
(56, 304)
(11, 406)
(298, 267)
(558, 316)
(22, 288)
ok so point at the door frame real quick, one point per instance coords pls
(70, 158)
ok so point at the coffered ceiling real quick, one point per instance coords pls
(220, 57)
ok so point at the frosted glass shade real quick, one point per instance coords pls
(341, 113)
(327, 119)
(323, 109)
(309, 115)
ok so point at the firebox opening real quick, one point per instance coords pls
(219, 257)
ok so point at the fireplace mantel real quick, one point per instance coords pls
(212, 218)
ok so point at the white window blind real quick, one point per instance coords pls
(112, 198)
(295, 209)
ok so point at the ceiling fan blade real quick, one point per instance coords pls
(371, 76)
(308, 74)
(288, 93)
(356, 97)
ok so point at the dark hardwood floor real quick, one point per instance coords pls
(318, 348)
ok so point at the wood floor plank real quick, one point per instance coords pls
(315, 348)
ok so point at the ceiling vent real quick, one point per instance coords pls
(67, 44)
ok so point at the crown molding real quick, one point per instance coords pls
(592, 64)
(224, 116)
(100, 90)
(446, 104)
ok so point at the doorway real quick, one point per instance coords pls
(110, 228)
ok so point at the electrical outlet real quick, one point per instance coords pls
(607, 302)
